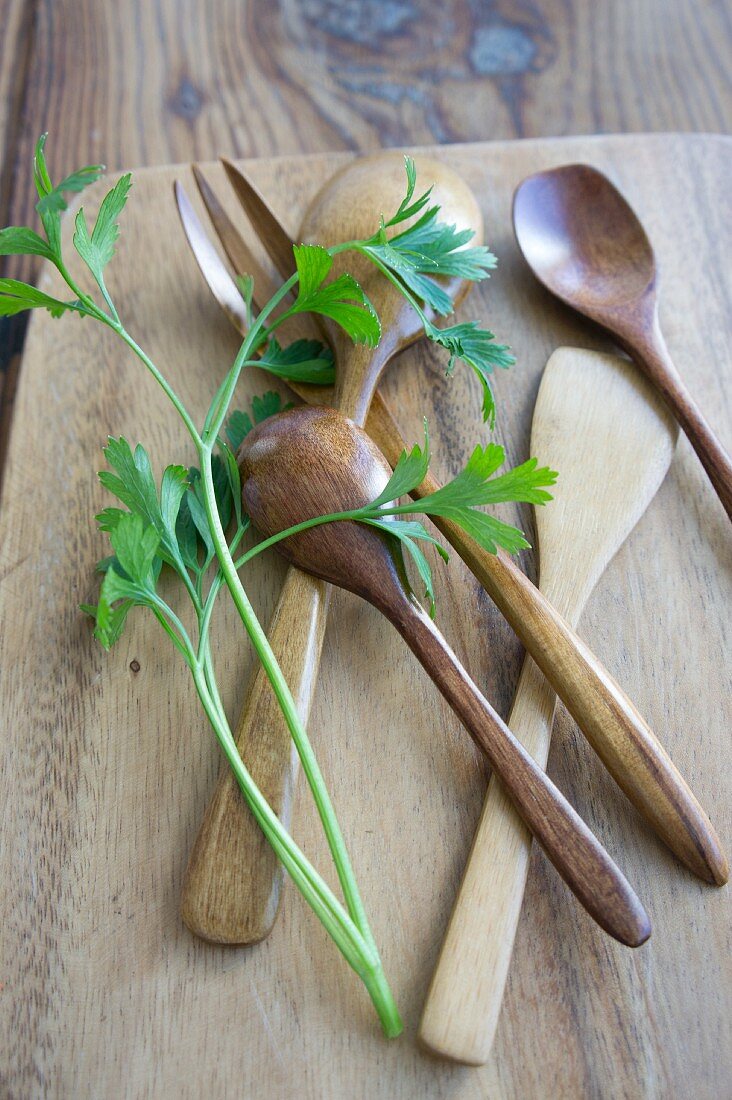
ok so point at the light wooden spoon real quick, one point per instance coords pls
(233, 881)
(609, 434)
(311, 462)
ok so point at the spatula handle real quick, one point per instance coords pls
(577, 855)
(464, 1000)
(619, 735)
(233, 882)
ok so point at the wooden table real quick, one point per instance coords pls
(138, 83)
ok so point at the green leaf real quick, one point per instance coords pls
(489, 532)
(474, 486)
(409, 472)
(238, 427)
(343, 300)
(187, 535)
(407, 532)
(477, 348)
(313, 264)
(134, 484)
(234, 480)
(266, 405)
(15, 297)
(241, 423)
(194, 500)
(301, 361)
(98, 249)
(110, 621)
(135, 545)
(407, 208)
(427, 249)
(245, 284)
(51, 202)
(172, 489)
(19, 241)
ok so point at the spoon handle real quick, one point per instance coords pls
(233, 882)
(627, 746)
(464, 999)
(575, 852)
(649, 349)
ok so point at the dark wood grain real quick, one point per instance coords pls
(313, 461)
(139, 83)
(586, 245)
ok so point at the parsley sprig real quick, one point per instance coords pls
(192, 522)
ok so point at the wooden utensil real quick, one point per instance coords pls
(611, 723)
(233, 880)
(585, 244)
(608, 478)
(313, 461)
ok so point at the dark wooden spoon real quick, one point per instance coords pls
(314, 461)
(586, 245)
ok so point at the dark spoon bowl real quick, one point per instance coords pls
(581, 238)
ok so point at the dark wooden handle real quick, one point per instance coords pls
(627, 746)
(648, 348)
(233, 882)
(575, 852)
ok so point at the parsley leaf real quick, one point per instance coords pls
(407, 532)
(409, 472)
(477, 348)
(407, 208)
(343, 300)
(98, 249)
(51, 202)
(301, 361)
(134, 484)
(15, 297)
(459, 500)
(241, 423)
(130, 577)
(18, 240)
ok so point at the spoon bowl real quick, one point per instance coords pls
(581, 238)
(349, 207)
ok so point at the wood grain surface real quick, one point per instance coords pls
(107, 764)
(140, 83)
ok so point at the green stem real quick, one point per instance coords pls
(287, 705)
(349, 939)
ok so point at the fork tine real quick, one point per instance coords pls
(220, 282)
(241, 255)
(269, 229)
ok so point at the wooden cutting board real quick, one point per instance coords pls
(108, 763)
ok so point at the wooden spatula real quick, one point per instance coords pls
(606, 430)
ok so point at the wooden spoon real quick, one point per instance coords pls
(608, 477)
(313, 461)
(585, 244)
(233, 881)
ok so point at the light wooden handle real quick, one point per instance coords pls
(233, 881)
(575, 852)
(464, 1000)
(619, 735)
